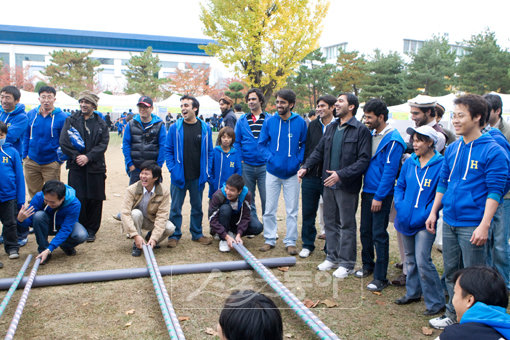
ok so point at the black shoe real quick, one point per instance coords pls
(69, 251)
(377, 285)
(48, 258)
(91, 238)
(361, 273)
(136, 251)
(429, 312)
(13, 254)
(1, 265)
(404, 300)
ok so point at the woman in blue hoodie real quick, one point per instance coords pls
(414, 196)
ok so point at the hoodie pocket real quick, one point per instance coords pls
(404, 213)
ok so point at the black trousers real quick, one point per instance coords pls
(90, 214)
(8, 211)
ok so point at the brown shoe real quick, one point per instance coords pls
(399, 281)
(172, 243)
(204, 240)
(322, 237)
(291, 250)
(266, 247)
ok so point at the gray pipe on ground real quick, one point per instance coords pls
(134, 273)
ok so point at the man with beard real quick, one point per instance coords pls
(228, 115)
(423, 112)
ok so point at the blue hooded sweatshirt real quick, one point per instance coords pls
(471, 174)
(12, 185)
(383, 168)
(16, 122)
(64, 217)
(126, 140)
(247, 144)
(174, 153)
(415, 192)
(42, 135)
(282, 144)
(224, 165)
(500, 138)
(493, 316)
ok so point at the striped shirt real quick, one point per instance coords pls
(255, 126)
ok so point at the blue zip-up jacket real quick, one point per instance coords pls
(493, 316)
(174, 153)
(471, 174)
(64, 217)
(41, 139)
(500, 138)
(224, 165)
(126, 141)
(383, 168)
(16, 122)
(12, 185)
(415, 192)
(282, 144)
(247, 144)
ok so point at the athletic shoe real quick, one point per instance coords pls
(291, 250)
(22, 242)
(377, 285)
(327, 265)
(91, 238)
(441, 322)
(304, 253)
(361, 273)
(266, 247)
(250, 236)
(13, 254)
(136, 251)
(342, 272)
(216, 237)
(224, 248)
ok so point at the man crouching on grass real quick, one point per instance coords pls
(146, 206)
(230, 213)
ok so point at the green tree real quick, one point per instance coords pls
(72, 71)
(385, 79)
(235, 91)
(38, 85)
(485, 65)
(432, 67)
(142, 75)
(351, 72)
(263, 39)
(311, 80)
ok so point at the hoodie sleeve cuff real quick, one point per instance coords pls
(494, 196)
(441, 189)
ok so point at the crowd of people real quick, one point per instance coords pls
(425, 182)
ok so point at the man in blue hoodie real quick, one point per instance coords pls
(377, 196)
(13, 114)
(54, 211)
(282, 144)
(473, 180)
(190, 169)
(41, 141)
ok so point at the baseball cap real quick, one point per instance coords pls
(424, 130)
(422, 101)
(144, 100)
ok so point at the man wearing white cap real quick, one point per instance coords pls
(423, 113)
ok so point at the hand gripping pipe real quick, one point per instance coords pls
(17, 314)
(149, 255)
(134, 273)
(160, 295)
(14, 285)
(320, 329)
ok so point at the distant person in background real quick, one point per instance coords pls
(310, 117)
(12, 113)
(238, 109)
(229, 118)
(169, 119)
(450, 135)
(108, 120)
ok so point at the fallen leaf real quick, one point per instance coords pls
(329, 303)
(210, 331)
(129, 312)
(183, 318)
(283, 269)
(427, 331)
(380, 303)
(308, 303)
(128, 324)
(85, 304)
(35, 304)
(316, 303)
(377, 293)
(288, 335)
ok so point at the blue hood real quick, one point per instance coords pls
(16, 123)
(493, 316)
(154, 119)
(19, 109)
(240, 198)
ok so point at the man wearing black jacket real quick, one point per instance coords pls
(87, 168)
(344, 151)
(228, 115)
(311, 184)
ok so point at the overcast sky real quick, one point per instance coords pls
(363, 24)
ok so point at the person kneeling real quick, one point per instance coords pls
(54, 211)
(146, 206)
(230, 214)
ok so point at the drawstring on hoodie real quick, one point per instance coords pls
(33, 122)
(454, 162)
(467, 164)
(420, 183)
(278, 140)
(54, 218)
(389, 153)
(289, 140)
(469, 158)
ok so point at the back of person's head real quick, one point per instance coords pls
(227, 130)
(439, 110)
(238, 108)
(248, 315)
(287, 94)
(311, 113)
(495, 102)
(194, 102)
(47, 89)
(476, 105)
(3, 127)
(259, 94)
(485, 284)
(154, 168)
(54, 187)
(13, 90)
(236, 181)
(351, 100)
(378, 107)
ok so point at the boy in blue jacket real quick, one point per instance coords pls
(282, 144)
(13, 114)
(54, 211)
(377, 196)
(473, 180)
(12, 192)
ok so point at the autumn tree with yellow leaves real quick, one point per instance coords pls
(264, 40)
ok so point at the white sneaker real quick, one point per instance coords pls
(327, 265)
(441, 322)
(224, 248)
(342, 272)
(304, 253)
(216, 237)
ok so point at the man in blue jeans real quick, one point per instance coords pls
(247, 135)
(54, 211)
(472, 182)
(189, 169)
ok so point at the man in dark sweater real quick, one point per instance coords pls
(228, 115)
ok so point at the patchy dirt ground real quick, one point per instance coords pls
(99, 310)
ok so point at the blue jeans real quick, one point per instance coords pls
(498, 251)
(134, 176)
(291, 197)
(422, 277)
(458, 253)
(228, 219)
(311, 193)
(374, 234)
(42, 223)
(255, 176)
(195, 198)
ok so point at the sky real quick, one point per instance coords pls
(364, 24)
